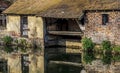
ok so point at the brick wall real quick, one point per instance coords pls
(98, 32)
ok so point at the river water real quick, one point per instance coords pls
(91, 63)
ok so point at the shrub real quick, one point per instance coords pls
(106, 45)
(87, 43)
(107, 58)
(116, 48)
(7, 40)
(116, 58)
(8, 49)
(23, 44)
(88, 57)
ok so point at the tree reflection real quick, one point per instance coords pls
(107, 58)
(88, 56)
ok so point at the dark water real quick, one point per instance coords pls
(92, 62)
(61, 68)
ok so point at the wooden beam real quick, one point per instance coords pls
(66, 63)
(69, 33)
(62, 50)
(67, 43)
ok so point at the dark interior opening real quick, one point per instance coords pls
(82, 21)
(62, 25)
(3, 66)
(0, 11)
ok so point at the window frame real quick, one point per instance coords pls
(105, 19)
(23, 23)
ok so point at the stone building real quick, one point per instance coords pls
(60, 25)
(102, 21)
(23, 22)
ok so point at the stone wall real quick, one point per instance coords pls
(98, 32)
(97, 66)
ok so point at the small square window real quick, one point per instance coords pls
(105, 19)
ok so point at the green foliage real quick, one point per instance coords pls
(106, 45)
(16, 41)
(22, 41)
(116, 48)
(23, 44)
(116, 58)
(87, 43)
(107, 58)
(7, 39)
(88, 57)
(8, 49)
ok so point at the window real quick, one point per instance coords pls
(24, 26)
(3, 66)
(105, 19)
(2, 22)
(25, 63)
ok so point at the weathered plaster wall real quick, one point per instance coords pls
(13, 24)
(36, 28)
(14, 62)
(35, 25)
(98, 32)
(36, 64)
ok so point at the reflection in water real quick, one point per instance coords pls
(116, 58)
(106, 62)
(106, 57)
(92, 62)
(88, 57)
(64, 68)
